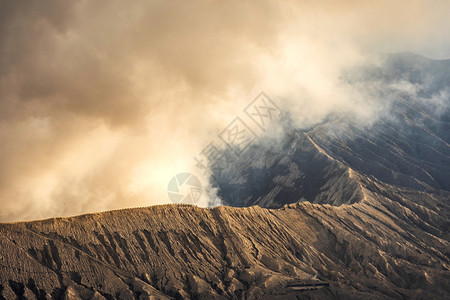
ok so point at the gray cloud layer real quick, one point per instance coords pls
(101, 103)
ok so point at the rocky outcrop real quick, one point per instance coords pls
(382, 247)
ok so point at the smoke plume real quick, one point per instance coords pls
(103, 102)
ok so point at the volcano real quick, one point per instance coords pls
(343, 210)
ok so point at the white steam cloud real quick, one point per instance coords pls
(102, 103)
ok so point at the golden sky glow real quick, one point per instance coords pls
(102, 102)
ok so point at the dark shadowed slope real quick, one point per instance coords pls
(406, 145)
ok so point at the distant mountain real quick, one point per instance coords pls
(346, 209)
(406, 146)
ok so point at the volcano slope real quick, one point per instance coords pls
(343, 210)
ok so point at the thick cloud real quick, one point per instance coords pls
(102, 102)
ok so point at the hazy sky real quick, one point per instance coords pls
(102, 102)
